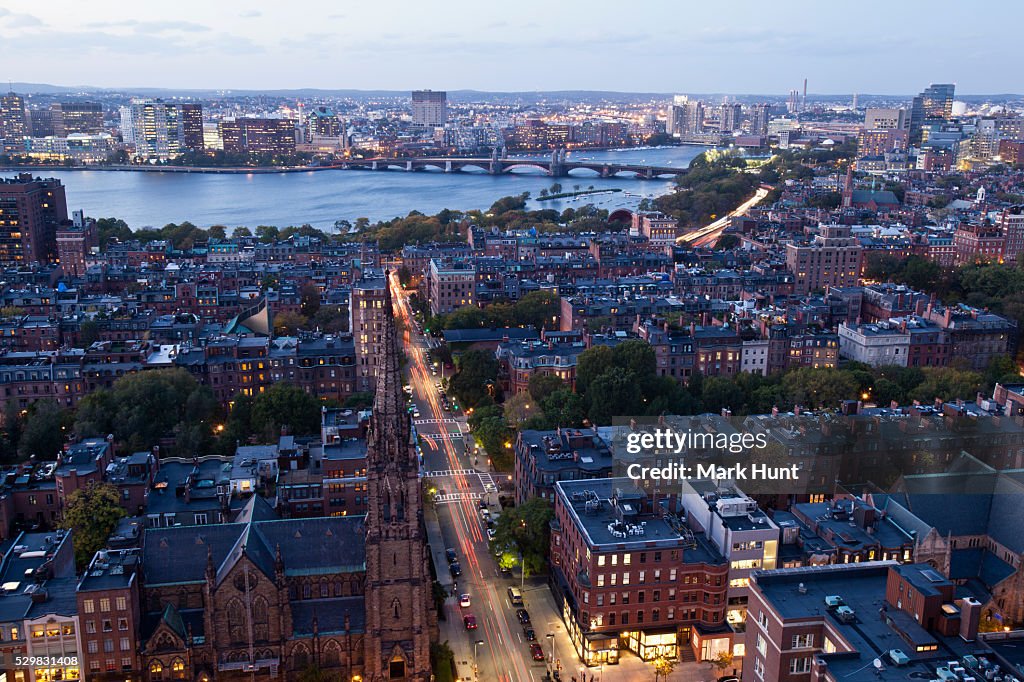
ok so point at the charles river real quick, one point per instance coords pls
(320, 198)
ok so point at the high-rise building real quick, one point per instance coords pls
(43, 122)
(886, 119)
(1012, 222)
(258, 135)
(366, 321)
(686, 118)
(190, 121)
(759, 116)
(729, 117)
(13, 124)
(936, 102)
(322, 122)
(153, 127)
(30, 212)
(78, 117)
(831, 260)
(74, 242)
(429, 107)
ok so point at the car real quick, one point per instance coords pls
(491, 533)
(464, 601)
(451, 555)
(537, 652)
(482, 504)
(491, 524)
(505, 570)
(415, 414)
(485, 513)
(455, 569)
(529, 634)
(523, 615)
(470, 622)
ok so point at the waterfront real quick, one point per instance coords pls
(322, 197)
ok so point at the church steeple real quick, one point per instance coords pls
(397, 637)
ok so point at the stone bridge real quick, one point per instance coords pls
(557, 166)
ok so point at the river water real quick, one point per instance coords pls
(145, 199)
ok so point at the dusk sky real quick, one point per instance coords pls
(766, 47)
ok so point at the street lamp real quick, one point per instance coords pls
(476, 665)
(551, 649)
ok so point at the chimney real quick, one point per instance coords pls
(796, 410)
(970, 616)
(893, 405)
(775, 411)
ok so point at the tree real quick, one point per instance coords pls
(88, 333)
(476, 369)
(543, 385)
(359, 400)
(614, 394)
(313, 673)
(663, 667)
(285, 405)
(590, 364)
(526, 529)
(564, 408)
(539, 309)
(288, 323)
(44, 430)
(727, 242)
(309, 297)
(91, 514)
(720, 393)
(519, 408)
(442, 660)
(240, 232)
(722, 660)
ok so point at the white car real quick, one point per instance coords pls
(464, 601)
(415, 414)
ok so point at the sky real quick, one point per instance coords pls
(742, 47)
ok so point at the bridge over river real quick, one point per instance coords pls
(557, 166)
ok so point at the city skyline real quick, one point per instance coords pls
(265, 47)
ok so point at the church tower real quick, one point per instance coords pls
(399, 614)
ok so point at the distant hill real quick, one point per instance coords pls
(462, 95)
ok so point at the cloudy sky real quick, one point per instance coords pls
(739, 46)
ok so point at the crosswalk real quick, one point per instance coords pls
(447, 420)
(450, 472)
(457, 497)
(488, 481)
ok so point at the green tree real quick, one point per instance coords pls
(720, 393)
(288, 323)
(722, 660)
(614, 393)
(563, 408)
(727, 242)
(537, 309)
(240, 232)
(663, 667)
(526, 529)
(285, 405)
(359, 400)
(91, 514)
(442, 661)
(44, 430)
(476, 368)
(309, 297)
(88, 333)
(543, 385)
(814, 388)
(590, 364)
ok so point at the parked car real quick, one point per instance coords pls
(524, 616)
(455, 569)
(538, 653)
(464, 601)
(451, 555)
(529, 634)
(470, 622)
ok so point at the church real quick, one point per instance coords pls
(266, 598)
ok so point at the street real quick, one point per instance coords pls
(497, 646)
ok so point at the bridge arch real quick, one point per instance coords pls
(524, 165)
(473, 166)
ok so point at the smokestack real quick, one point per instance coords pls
(805, 93)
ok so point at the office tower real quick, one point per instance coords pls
(322, 122)
(936, 102)
(729, 117)
(258, 135)
(13, 126)
(78, 117)
(886, 119)
(429, 108)
(759, 116)
(30, 212)
(43, 123)
(366, 320)
(153, 126)
(190, 122)
(854, 105)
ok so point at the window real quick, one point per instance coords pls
(759, 668)
(90, 627)
(122, 624)
(800, 665)
(803, 641)
(108, 645)
(126, 644)
(762, 644)
(93, 647)
(104, 604)
(89, 606)
(107, 627)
